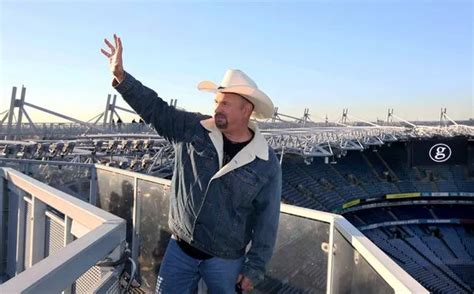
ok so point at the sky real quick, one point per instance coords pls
(415, 56)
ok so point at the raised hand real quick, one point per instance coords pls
(115, 58)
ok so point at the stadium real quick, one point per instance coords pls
(367, 207)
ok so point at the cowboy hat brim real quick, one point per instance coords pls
(263, 105)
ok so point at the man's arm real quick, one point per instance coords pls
(267, 205)
(174, 125)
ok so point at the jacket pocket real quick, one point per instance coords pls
(242, 185)
(247, 176)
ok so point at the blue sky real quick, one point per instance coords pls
(368, 56)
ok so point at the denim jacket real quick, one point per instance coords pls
(217, 209)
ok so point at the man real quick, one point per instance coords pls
(226, 184)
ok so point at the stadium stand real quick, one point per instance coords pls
(368, 174)
(434, 242)
(429, 263)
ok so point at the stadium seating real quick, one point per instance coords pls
(411, 212)
(427, 258)
(439, 256)
(368, 174)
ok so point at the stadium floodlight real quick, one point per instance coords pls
(68, 148)
(137, 145)
(113, 145)
(27, 151)
(148, 144)
(41, 149)
(127, 145)
(124, 164)
(56, 149)
(10, 150)
(97, 146)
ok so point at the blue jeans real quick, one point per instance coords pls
(180, 273)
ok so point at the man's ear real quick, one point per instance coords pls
(249, 107)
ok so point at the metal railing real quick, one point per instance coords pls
(350, 251)
(339, 255)
(315, 251)
(54, 240)
(59, 175)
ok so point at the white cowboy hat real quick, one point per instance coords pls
(236, 81)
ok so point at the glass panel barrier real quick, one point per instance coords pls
(70, 178)
(115, 195)
(352, 273)
(299, 264)
(154, 231)
(13, 164)
(73, 180)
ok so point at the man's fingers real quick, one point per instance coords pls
(119, 44)
(246, 284)
(116, 41)
(110, 45)
(239, 278)
(105, 53)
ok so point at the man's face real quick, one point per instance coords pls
(231, 111)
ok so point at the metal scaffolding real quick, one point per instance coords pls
(137, 146)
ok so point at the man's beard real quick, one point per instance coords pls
(220, 121)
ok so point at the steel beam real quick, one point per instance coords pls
(10, 114)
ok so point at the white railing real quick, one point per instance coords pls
(89, 235)
(389, 271)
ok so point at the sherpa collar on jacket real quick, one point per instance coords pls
(258, 147)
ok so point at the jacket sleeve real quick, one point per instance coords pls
(265, 230)
(173, 124)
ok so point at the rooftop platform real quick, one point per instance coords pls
(316, 251)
